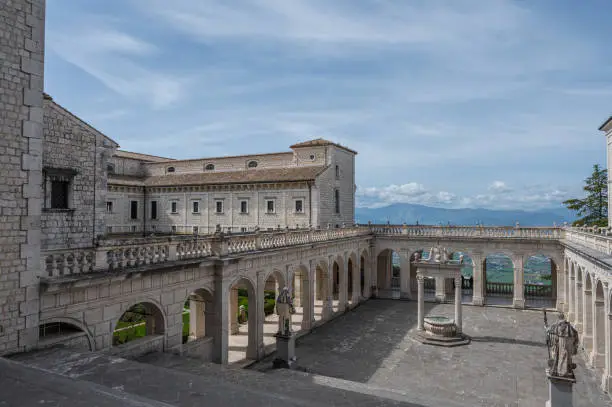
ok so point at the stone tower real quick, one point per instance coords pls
(22, 27)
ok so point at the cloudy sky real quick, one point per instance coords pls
(451, 103)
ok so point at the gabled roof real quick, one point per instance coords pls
(320, 142)
(606, 123)
(126, 180)
(238, 177)
(141, 157)
(46, 96)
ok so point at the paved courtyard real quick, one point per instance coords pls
(504, 365)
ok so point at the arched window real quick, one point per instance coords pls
(110, 168)
(337, 200)
(209, 167)
(252, 164)
(170, 169)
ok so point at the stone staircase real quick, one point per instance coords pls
(181, 381)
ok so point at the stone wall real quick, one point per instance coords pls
(139, 347)
(328, 182)
(22, 25)
(127, 166)
(70, 144)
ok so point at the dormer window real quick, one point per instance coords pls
(170, 169)
(252, 164)
(209, 167)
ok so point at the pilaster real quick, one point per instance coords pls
(519, 283)
(479, 289)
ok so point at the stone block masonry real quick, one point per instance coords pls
(21, 126)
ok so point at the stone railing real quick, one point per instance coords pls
(56, 263)
(114, 254)
(595, 238)
(505, 232)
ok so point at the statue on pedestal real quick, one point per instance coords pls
(284, 305)
(562, 345)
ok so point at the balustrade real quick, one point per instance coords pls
(595, 238)
(67, 262)
(468, 231)
(494, 288)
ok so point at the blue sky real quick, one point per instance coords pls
(451, 103)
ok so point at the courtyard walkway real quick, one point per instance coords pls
(503, 366)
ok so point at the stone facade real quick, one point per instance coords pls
(606, 127)
(241, 200)
(22, 25)
(77, 150)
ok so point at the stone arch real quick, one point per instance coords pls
(240, 349)
(337, 272)
(351, 276)
(69, 339)
(200, 324)
(540, 279)
(278, 275)
(579, 282)
(499, 283)
(303, 303)
(145, 311)
(388, 274)
(323, 299)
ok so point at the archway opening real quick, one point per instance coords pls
(300, 284)
(362, 276)
(350, 281)
(198, 324)
(141, 320)
(336, 286)
(242, 322)
(274, 284)
(388, 272)
(498, 276)
(579, 295)
(540, 282)
(600, 317)
(63, 333)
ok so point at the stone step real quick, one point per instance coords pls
(180, 381)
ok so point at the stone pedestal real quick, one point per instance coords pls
(560, 391)
(285, 351)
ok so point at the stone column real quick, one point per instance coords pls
(598, 331)
(261, 315)
(342, 286)
(233, 307)
(297, 290)
(328, 296)
(479, 289)
(369, 271)
(197, 327)
(458, 316)
(308, 300)
(356, 280)
(421, 302)
(572, 301)
(519, 283)
(606, 380)
(221, 318)
(579, 306)
(587, 304)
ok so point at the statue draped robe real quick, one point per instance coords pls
(563, 345)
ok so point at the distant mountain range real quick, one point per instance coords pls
(426, 215)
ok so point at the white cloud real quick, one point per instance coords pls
(112, 57)
(406, 193)
(499, 187)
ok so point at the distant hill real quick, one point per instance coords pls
(426, 215)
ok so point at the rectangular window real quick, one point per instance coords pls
(270, 206)
(299, 206)
(219, 206)
(196, 207)
(195, 230)
(134, 210)
(243, 230)
(133, 228)
(173, 207)
(109, 207)
(59, 194)
(244, 207)
(337, 172)
(153, 209)
(109, 229)
(337, 200)
(173, 228)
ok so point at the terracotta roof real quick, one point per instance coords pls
(252, 156)
(321, 142)
(126, 180)
(238, 177)
(139, 156)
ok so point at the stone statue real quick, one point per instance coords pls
(562, 345)
(461, 259)
(284, 305)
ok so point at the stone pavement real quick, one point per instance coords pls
(503, 366)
